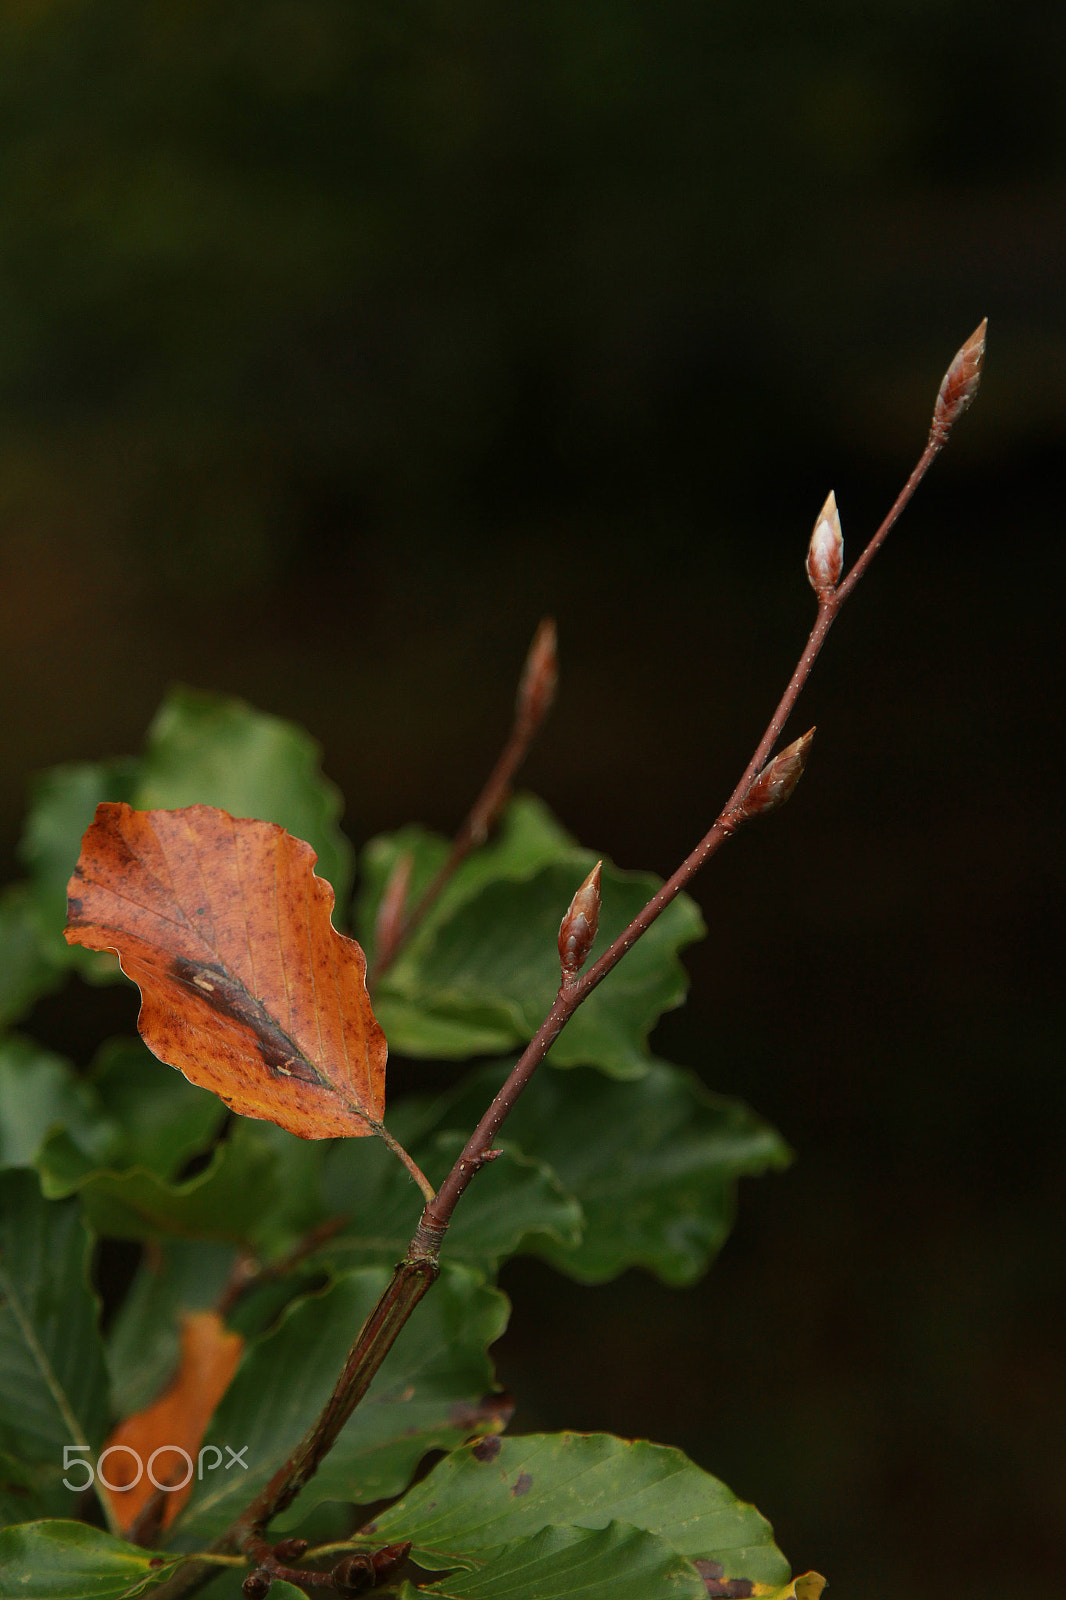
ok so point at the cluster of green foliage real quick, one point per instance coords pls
(613, 1159)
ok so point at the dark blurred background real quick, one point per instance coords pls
(340, 342)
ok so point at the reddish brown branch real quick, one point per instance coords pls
(956, 392)
(536, 691)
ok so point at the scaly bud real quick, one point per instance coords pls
(353, 1574)
(960, 384)
(290, 1549)
(578, 928)
(775, 782)
(825, 553)
(536, 688)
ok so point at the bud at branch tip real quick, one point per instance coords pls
(536, 688)
(825, 553)
(579, 927)
(960, 384)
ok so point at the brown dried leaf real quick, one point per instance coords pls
(155, 1437)
(246, 987)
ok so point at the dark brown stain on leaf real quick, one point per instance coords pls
(280, 1054)
(718, 1585)
(522, 1485)
(487, 1449)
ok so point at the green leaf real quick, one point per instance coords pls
(161, 1118)
(63, 802)
(516, 1198)
(654, 1164)
(40, 1093)
(617, 1562)
(53, 1383)
(207, 749)
(228, 1200)
(28, 969)
(482, 977)
(426, 1396)
(71, 1561)
(498, 1490)
(142, 1346)
(528, 837)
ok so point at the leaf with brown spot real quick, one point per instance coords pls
(246, 987)
(175, 1422)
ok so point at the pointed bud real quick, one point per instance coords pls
(776, 781)
(393, 903)
(960, 384)
(825, 553)
(578, 928)
(536, 689)
(392, 1556)
(353, 1574)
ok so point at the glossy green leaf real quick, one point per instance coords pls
(484, 977)
(28, 969)
(654, 1164)
(228, 1200)
(515, 1199)
(428, 1394)
(53, 1383)
(40, 1094)
(161, 1119)
(72, 1561)
(616, 1563)
(498, 1490)
(207, 749)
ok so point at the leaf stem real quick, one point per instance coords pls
(409, 1162)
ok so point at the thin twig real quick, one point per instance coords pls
(956, 393)
(762, 785)
(536, 691)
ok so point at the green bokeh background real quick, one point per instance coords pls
(340, 342)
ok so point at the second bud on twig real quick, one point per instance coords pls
(775, 782)
(825, 553)
(579, 927)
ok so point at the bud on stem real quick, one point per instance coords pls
(578, 929)
(536, 688)
(775, 782)
(825, 553)
(960, 384)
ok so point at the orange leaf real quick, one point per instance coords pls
(246, 986)
(150, 1442)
